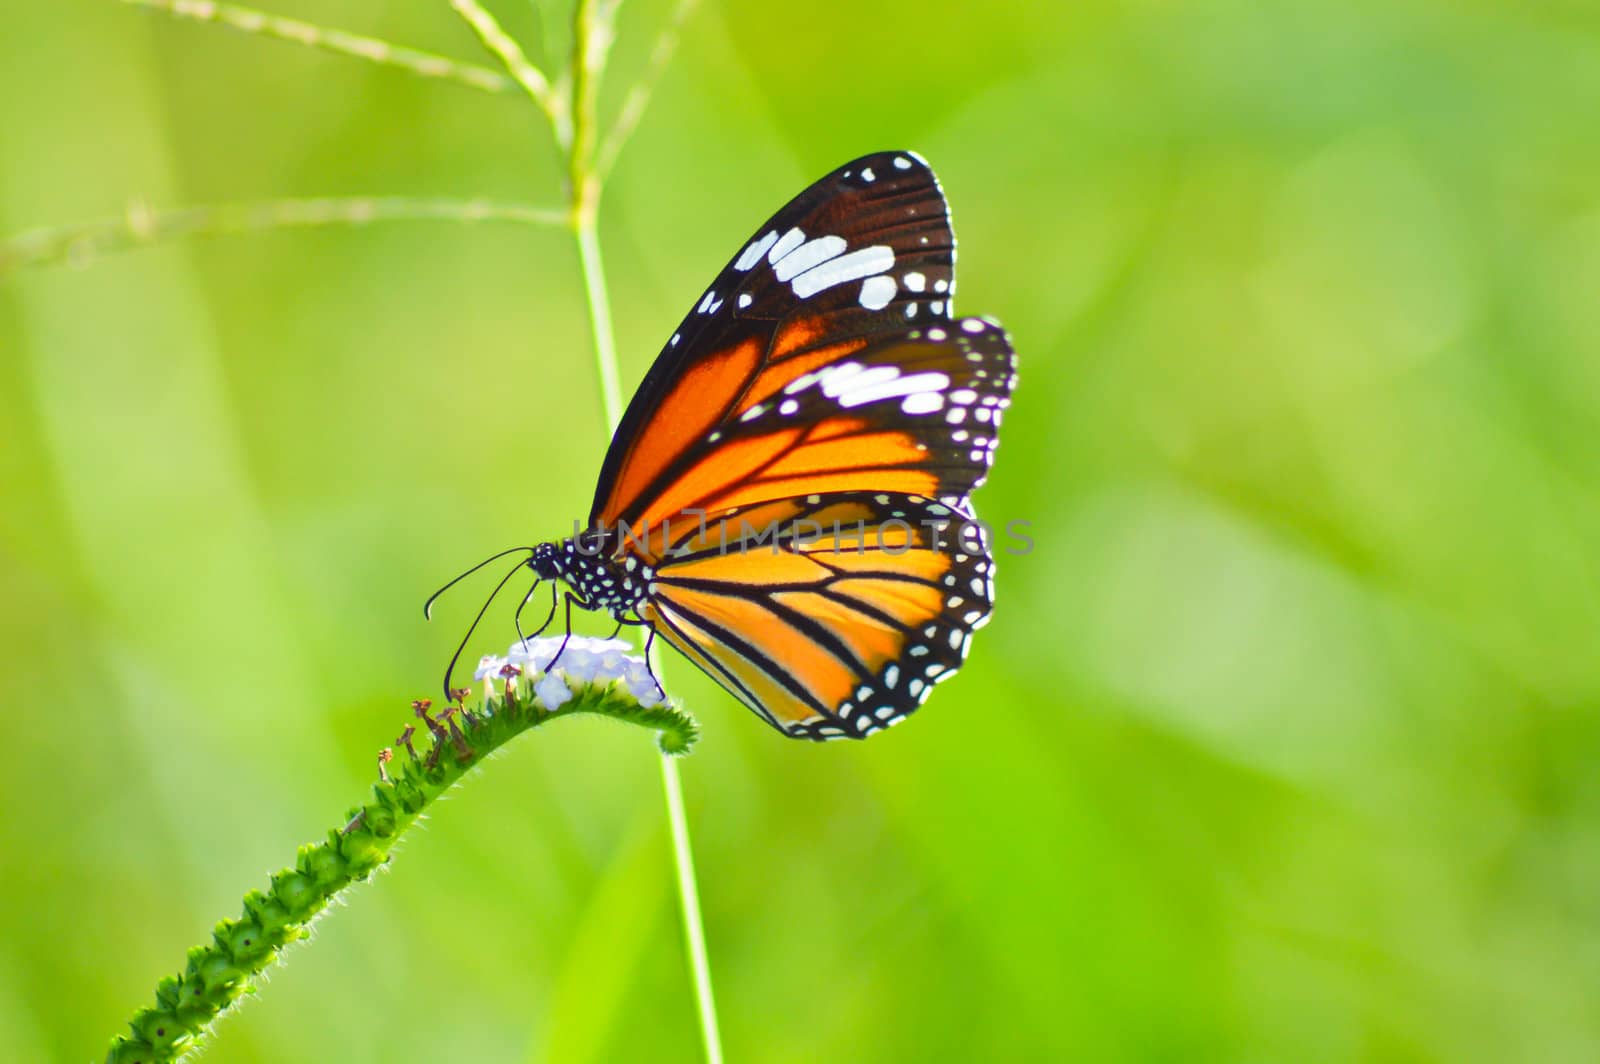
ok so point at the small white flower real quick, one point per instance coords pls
(585, 660)
(551, 692)
(534, 656)
(488, 666)
(641, 685)
(582, 665)
(602, 646)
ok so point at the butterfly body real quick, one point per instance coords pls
(590, 566)
(786, 500)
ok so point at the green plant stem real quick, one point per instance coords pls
(594, 281)
(505, 48)
(694, 931)
(221, 972)
(683, 851)
(592, 34)
(373, 50)
(599, 301)
(81, 243)
(591, 44)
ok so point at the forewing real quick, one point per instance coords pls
(910, 414)
(864, 252)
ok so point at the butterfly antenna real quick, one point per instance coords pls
(551, 616)
(504, 580)
(427, 607)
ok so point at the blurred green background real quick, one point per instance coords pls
(1282, 745)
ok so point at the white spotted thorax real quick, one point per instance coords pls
(584, 660)
(588, 563)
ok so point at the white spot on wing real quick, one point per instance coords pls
(848, 375)
(915, 281)
(786, 243)
(922, 403)
(854, 266)
(876, 292)
(882, 382)
(753, 253)
(807, 255)
(801, 383)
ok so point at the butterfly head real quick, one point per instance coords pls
(547, 562)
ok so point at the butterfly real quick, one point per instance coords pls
(786, 501)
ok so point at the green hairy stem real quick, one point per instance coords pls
(435, 755)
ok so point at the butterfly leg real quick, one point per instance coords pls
(649, 665)
(571, 600)
(649, 641)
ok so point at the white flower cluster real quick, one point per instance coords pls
(585, 660)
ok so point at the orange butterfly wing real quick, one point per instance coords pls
(840, 621)
(914, 414)
(864, 255)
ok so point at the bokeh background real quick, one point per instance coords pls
(1282, 745)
